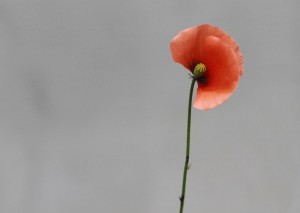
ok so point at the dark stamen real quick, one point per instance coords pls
(202, 80)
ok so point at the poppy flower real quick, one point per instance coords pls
(214, 58)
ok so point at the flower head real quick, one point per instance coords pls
(215, 60)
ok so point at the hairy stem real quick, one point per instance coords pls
(187, 156)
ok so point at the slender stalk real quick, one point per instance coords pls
(187, 156)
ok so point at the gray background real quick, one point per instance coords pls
(93, 109)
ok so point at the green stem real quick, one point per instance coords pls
(187, 156)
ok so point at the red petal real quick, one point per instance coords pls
(187, 45)
(223, 72)
(183, 47)
(225, 37)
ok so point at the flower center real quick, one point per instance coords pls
(199, 70)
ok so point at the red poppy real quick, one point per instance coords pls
(216, 55)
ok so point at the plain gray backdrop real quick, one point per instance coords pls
(93, 109)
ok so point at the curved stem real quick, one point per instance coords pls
(187, 156)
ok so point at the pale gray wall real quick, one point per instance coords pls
(93, 109)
